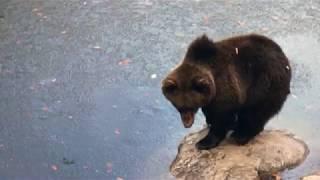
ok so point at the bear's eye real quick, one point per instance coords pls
(201, 86)
(170, 86)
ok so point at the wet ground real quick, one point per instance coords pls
(79, 81)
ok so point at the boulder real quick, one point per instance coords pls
(271, 152)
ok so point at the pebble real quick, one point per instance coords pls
(96, 47)
(153, 76)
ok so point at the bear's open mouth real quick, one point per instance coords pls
(187, 117)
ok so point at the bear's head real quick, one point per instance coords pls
(191, 85)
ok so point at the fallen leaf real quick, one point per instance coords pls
(124, 62)
(206, 20)
(117, 131)
(45, 108)
(109, 167)
(54, 167)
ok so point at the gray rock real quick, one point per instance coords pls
(270, 152)
(313, 176)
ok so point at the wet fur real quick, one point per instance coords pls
(249, 77)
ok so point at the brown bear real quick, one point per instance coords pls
(239, 83)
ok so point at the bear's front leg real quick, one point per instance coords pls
(219, 125)
(210, 141)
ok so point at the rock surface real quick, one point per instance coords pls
(314, 176)
(270, 152)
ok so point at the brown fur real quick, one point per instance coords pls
(239, 83)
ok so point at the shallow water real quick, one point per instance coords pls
(80, 80)
(301, 112)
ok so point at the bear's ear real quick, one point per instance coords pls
(201, 48)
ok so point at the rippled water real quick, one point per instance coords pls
(80, 79)
(302, 110)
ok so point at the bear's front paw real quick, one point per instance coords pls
(208, 142)
(239, 138)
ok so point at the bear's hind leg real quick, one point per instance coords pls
(251, 121)
(246, 129)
